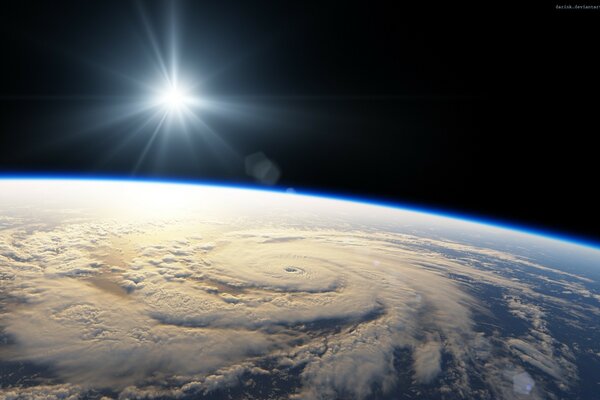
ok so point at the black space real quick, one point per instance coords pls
(490, 110)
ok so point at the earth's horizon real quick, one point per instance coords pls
(124, 289)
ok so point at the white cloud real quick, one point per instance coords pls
(427, 360)
(196, 304)
(42, 392)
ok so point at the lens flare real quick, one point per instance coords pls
(175, 99)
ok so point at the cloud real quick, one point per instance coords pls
(42, 392)
(427, 360)
(157, 307)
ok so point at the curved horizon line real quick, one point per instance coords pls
(575, 239)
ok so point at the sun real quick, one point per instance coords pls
(174, 99)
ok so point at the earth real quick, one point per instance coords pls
(120, 289)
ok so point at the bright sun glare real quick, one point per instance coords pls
(173, 99)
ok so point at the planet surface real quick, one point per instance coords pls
(145, 290)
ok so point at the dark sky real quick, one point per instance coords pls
(489, 110)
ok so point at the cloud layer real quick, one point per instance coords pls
(213, 290)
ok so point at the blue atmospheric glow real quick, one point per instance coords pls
(332, 196)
